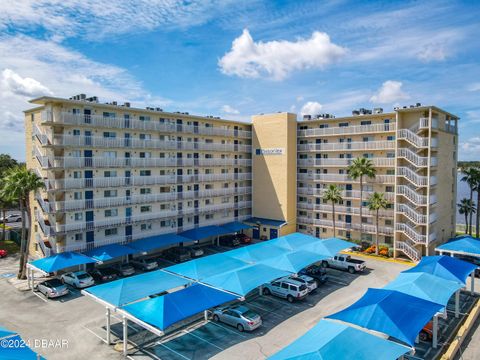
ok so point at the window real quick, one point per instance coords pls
(145, 227)
(109, 114)
(77, 174)
(389, 189)
(109, 134)
(390, 172)
(145, 208)
(145, 172)
(110, 154)
(76, 132)
(79, 237)
(390, 155)
(388, 240)
(209, 217)
(367, 138)
(110, 193)
(366, 237)
(111, 212)
(78, 216)
(145, 137)
(145, 155)
(77, 153)
(110, 232)
(388, 222)
(145, 191)
(343, 125)
(366, 122)
(391, 137)
(146, 118)
(110, 173)
(77, 195)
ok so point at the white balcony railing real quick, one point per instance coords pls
(338, 162)
(408, 250)
(413, 158)
(340, 209)
(414, 178)
(361, 145)
(412, 195)
(412, 214)
(384, 230)
(131, 123)
(411, 233)
(346, 194)
(347, 130)
(384, 179)
(412, 138)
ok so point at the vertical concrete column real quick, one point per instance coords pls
(107, 314)
(205, 315)
(457, 304)
(435, 332)
(125, 336)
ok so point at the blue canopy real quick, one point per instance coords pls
(445, 267)
(257, 252)
(263, 221)
(328, 247)
(127, 290)
(158, 241)
(293, 261)
(5, 332)
(244, 280)
(205, 232)
(294, 241)
(333, 341)
(425, 286)
(236, 226)
(391, 312)
(201, 268)
(61, 261)
(464, 245)
(111, 251)
(169, 309)
(18, 353)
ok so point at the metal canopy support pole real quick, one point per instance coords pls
(457, 304)
(472, 282)
(205, 315)
(125, 336)
(108, 326)
(435, 332)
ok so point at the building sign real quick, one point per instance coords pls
(272, 151)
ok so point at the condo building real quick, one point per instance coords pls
(115, 174)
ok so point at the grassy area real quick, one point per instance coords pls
(10, 246)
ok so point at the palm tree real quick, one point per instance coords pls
(18, 183)
(5, 203)
(359, 168)
(466, 207)
(376, 202)
(469, 176)
(333, 194)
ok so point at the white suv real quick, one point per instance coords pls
(286, 288)
(309, 282)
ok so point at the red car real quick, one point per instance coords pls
(3, 253)
(244, 239)
(427, 333)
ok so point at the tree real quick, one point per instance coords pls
(18, 183)
(6, 163)
(470, 176)
(5, 203)
(359, 168)
(333, 195)
(466, 207)
(376, 202)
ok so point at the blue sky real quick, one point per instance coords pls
(238, 58)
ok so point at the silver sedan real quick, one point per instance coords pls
(239, 316)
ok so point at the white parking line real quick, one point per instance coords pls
(267, 312)
(226, 328)
(40, 296)
(202, 339)
(175, 352)
(98, 336)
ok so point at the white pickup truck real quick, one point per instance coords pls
(345, 262)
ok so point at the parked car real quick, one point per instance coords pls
(229, 240)
(427, 332)
(78, 279)
(286, 288)
(309, 282)
(244, 239)
(144, 264)
(316, 272)
(52, 288)
(12, 218)
(3, 253)
(177, 254)
(124, 269)
(472, 260)
(195, 251)
(345, 262)
(238, 316)
(104, 274)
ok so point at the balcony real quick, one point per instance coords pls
(122, 123)
(340, 209)
(340, 225)
(338, 162)
(346, 194)
(347, 130)
(360, 146)
(383, 179)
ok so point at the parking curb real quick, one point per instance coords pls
(395, 261)
(462, 333)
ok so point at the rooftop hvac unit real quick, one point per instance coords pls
(355, 112)
(114, 103)
(396, 108)
(159, 109)
(126, 104)
(92, 99)
(378, 110)
(82, 96)
(307, 117)
(418, 104)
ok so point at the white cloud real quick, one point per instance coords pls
(227, 109)
(311, 108)
(474, 87)
(432, 52)
(471, 145)
(14, 83)
(277, 59)
(391, 91)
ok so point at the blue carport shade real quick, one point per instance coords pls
(328, 247)
(236, 226)
(294, 241)
(425, 286)
(445, 267)
(5, 332)
(293, 261)
(244, 280)
(391, 312)
(466, 245)
(22, 352)
(169, 309)
(127, 290)
(157, 242)
(110, 252)
(205, 232)
(61, 261)
(207, 266)
(257, 252)
(331, 340)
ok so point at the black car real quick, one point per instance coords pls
(316, 272)
(104, 274)
(177, 254)
(472, 260)
(229, 240)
